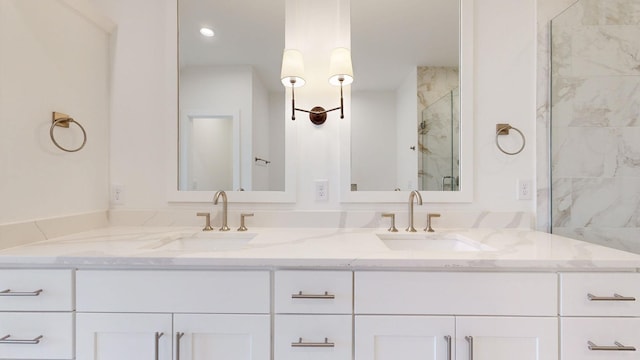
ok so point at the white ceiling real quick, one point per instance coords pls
(388, 37)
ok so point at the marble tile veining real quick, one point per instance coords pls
(594, 118)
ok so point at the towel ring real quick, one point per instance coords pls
(503, 129)
(63, 120)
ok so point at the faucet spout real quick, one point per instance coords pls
(413, 195)
(217, 196)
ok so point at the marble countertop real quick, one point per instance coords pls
(181, 247)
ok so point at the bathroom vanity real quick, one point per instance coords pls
(173, 293)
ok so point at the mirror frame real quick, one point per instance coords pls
(465, 194)
(172, 127)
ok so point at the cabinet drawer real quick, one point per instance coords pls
(173, 291)
(616, 294)
(456, 293)
(576, 333)
(312, 337)
(313, 292)
(36, 290)
(36, 335)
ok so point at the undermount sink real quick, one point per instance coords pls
(431, 242)
(209, 241)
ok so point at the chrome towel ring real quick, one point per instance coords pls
(503, 129)
(63, 120)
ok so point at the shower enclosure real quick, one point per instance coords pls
(595, 123)
(439, 143)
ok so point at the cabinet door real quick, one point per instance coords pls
(123, 336)
(505, 338)
(404, 337)
(229, 337)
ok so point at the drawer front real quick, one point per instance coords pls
(36, 290)
(603, 333)
(173, 291)
(417, 293)
(614, 294)
(36, 335)
(303, 337)
(313, 292)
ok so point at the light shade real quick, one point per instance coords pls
(292, 73)
(340, 67)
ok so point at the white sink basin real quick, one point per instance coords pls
(431, 242)
(209, 241)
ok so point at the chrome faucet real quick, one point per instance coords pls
(224, 208)
(414, 194)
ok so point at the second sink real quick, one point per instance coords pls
(431, 242)
(209, 241)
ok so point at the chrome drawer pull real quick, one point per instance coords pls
(448, 339)
(324, 344)
(300, 295)
(8, 292)
(615, 297)
(470, 341)
(179, 336)
(158, 335)
(7, 340)
(617, 347)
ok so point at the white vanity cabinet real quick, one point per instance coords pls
(164, 314)
(600, 316)
(313, 315)
(412, 315)
(384, 337)
(36, 314)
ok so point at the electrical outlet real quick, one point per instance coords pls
(322, 190)
(117, 194)
(524, 189)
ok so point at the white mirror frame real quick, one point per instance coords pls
(172, 125)
(465, 194)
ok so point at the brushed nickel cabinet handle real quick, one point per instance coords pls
(470, 341)
(616, 347)
(179, 336)
(448, 339)
(324, 344)
(158, 335)
(615, 297)
(7, 340)
(8, 292)
(300, 295)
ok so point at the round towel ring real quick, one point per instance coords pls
(503, 129)
(62, 122)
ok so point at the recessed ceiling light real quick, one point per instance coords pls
(207, 32)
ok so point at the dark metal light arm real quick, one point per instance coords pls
(317, 115)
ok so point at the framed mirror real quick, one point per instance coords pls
(231, 133)
(411, 115)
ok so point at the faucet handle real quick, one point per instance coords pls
(207, 217)
(429, 216)
(242, 227)
(392, 228)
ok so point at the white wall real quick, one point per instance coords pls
(504, 92)
(373, 140)
(52, 59)
(407, 114)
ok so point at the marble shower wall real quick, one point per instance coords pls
(438, 106)
(595, 123)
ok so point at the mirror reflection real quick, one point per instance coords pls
(231, 101)
(405, 130)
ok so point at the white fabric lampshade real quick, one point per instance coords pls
(292, 68)
(340, 67)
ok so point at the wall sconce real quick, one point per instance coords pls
(292, 75)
